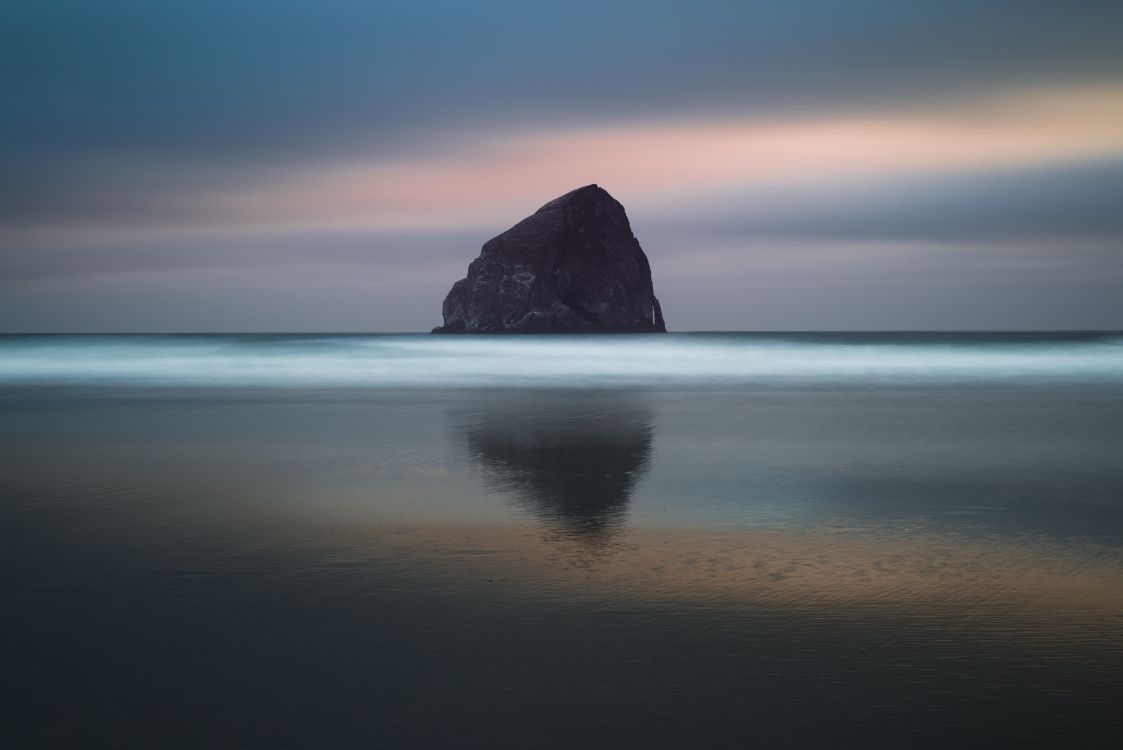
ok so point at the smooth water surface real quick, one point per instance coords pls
(715, 540)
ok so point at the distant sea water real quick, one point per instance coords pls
(691, 540)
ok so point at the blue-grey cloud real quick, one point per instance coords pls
(278, 78)
(1069, 201)
(754, 286)
(368, 252)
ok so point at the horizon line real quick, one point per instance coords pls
(563, 335)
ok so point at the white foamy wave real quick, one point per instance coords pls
(682, 361)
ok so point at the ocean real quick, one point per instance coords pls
(683, 540)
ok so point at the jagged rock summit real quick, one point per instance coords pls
(573, 266)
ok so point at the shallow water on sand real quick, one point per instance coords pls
(873, 555)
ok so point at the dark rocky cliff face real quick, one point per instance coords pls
(571, 267)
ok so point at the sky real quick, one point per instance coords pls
(270, 165)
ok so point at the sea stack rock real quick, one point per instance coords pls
(573, 266)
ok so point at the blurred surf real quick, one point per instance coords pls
(677, 360)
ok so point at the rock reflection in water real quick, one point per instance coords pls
(573, 459)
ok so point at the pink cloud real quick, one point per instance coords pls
(496, 179)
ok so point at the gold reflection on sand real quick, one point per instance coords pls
(1043, 600)
(1033, 589)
